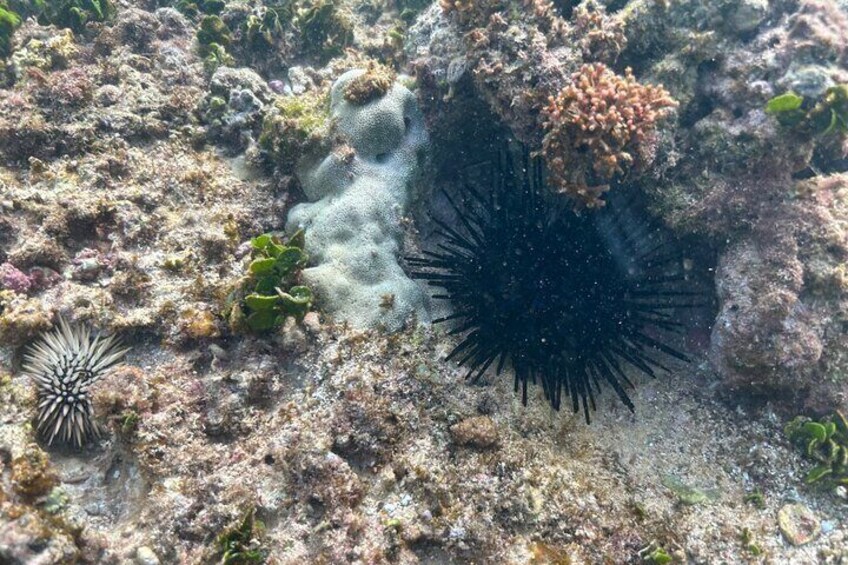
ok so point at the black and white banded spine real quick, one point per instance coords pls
(64, 364)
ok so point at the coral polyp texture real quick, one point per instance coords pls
(600, 127)
(570, 301)
(64, 364)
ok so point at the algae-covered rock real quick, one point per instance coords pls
(479, 431)
(360, 192)
(292, 127)
(798, 524)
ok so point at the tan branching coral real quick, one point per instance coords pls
(601, 126)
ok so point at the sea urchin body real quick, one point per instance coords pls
(64, 364)
(569, 300)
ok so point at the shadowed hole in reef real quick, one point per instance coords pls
(110, 487)
(430, 553)
(703, 104)
(565, 7)
(616, 5)
(467, 117)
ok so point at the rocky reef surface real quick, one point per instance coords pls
(144, 145)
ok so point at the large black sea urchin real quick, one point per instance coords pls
(64, 364)
(569, 300)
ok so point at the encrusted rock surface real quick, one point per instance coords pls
(132, 177)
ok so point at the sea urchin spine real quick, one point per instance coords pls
(569, 300)
(64, 364)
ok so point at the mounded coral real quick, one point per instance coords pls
(360, 193)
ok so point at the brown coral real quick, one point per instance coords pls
(374, 83)
(599, 127)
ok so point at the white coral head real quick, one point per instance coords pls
(64, 364)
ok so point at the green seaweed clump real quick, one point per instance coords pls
(409, 9)
(755, 498)
(689, 495)
(192, 8)
(813, 118)
(655, 554)
(293, 127)
(324, 29)
(824, 442)
(239, 545)
(9, 22)
(213, 38)
(271, 292)
(213, 31)
(74, 14)
(749, 542)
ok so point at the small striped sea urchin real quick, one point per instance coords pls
(569, 300)
(64, 364)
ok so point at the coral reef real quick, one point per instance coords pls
(725, 171)
(137, 163)
(546, 77)
(360, 191)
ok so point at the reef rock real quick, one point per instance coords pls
(359, 195)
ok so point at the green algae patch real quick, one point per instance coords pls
(784, 103)
(240, 545)
(324, 28)
(825, 444)
(271, 293)
(73, 14)
(293, 127)
(9, 22)
(813, 118)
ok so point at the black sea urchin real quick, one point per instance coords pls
(569, 300)
(63, 365)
